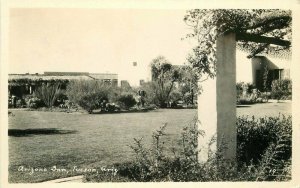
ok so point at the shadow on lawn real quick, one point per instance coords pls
(243, 106)
(125, 111)
(42, 131)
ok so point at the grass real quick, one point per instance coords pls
(92, 141)
(101, 140)
(265, 109)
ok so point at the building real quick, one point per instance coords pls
(125, 84)
(24, 84)
(105, 77)
(252, 70)
(276, 70)
(110, 78)
(66, 74)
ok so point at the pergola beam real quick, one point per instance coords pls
(262, 39)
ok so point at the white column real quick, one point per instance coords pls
(217, 103)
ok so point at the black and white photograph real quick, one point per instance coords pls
(96, 94)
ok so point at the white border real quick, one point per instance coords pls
(153, 4)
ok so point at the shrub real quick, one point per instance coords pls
(256, 135)
(246, 98)
(33, 102)
(111, 107)
(90, 95)
(149, 88)
(246, 101)
(48, 93)
(92, 101)
(61, 98)
(16, 102)
(126, 100)
(281, 89)
(251, 96)
(269, 139)
(239, 89)
(20, 103)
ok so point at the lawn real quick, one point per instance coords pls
(99, 140)
(93, 141)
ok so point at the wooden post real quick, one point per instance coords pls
(217, 103)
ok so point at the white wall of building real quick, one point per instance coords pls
(244, 67)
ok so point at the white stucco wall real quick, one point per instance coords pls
(243, 67)
(245, 72)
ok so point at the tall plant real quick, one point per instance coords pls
(48, 93)
(90, 94)
(164, 76)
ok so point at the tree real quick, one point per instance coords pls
(264, 31)
(164, 76)
(265, 78)
(150, 97)
(188, 84)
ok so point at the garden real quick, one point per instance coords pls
(141, 145)
(171, 87)
(40, 139)
(280, 90)
(161, 143)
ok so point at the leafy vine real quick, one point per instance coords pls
(208, 24)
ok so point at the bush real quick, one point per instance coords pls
(239, 89)
(89, 95)
(126, 101)
(48, 93)
(61, 99)
(246, 101)
(281, 89)
(264, 155)
(20, 103)
(254, 136)
(16, 102)
(111, 107)
(149, 88)
(250, 96)
(33, 102)
(92, 101)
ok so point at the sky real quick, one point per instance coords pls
(101, 41)
(95, 40)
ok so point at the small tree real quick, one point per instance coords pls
(164, 76)
(265, 78)
(188, 84)
(265, 81)
(149, 89)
